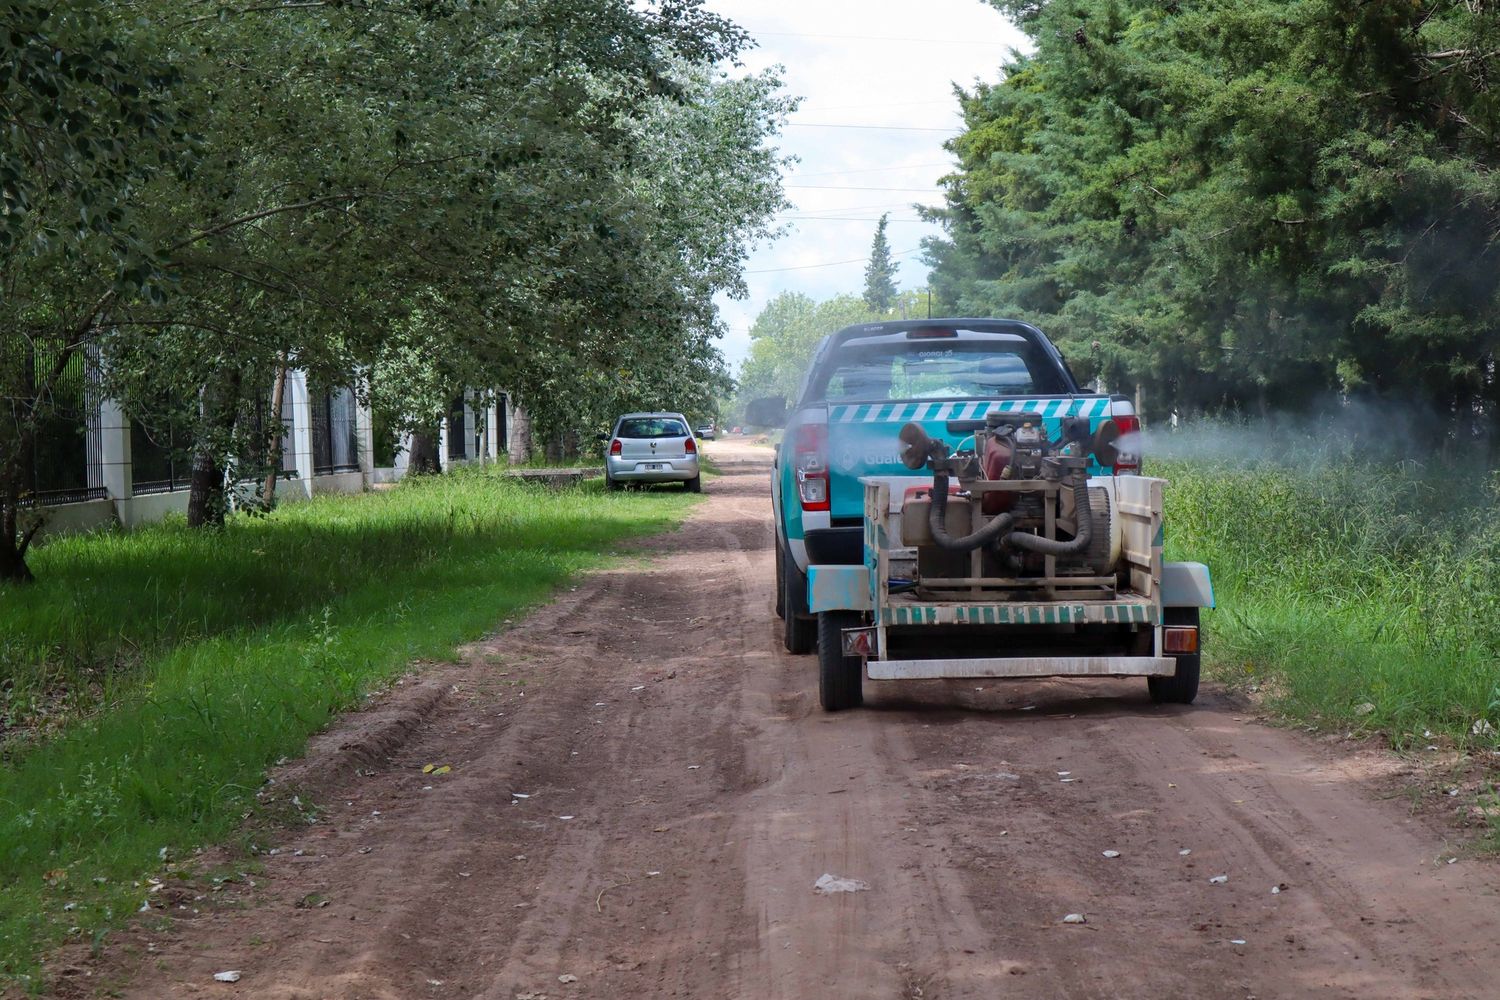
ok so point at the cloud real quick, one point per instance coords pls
(888, 66)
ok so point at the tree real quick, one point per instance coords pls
(1241, 204)
(784, 336)
(86, 104)
(880, 273)
(437, 193)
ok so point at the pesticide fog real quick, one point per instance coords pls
(1339, 432)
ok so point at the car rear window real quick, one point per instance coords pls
(939, 370)
(652, 427)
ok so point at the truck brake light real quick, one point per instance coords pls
(1128, 460)
(810, 463)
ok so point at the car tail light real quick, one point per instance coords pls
(690, 446)
(1128, 445)
(1179, 640)
(810, 462)
(615, 446)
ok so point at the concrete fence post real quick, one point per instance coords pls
(492, 429)
(302, 452)
(364, 430)
(114, 452)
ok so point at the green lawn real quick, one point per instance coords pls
(1355, 594)
(150, 678)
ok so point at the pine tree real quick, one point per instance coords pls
(880, 273)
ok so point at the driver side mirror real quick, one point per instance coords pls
(767, 412)
(602, 437)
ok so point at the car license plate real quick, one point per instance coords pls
(655, 466)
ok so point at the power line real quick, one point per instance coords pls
(873, 170)
(831, 263)
(947, 101)
(877, 128)
(882, 38)
(846, 209)
(841, 187)
(842, 218)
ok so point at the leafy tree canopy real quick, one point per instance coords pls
(1242, 203)
(412, 195)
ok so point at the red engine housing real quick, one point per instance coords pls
(994, 461)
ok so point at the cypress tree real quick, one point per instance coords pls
(880, 273)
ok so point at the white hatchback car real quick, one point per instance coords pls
(652, 448)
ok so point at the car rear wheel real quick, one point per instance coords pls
(1182, 687)
(694, 485)
(798, 628)
(840, 678)
(613, 484)
(780, 586)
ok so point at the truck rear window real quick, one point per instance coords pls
(651, 427)
(938, 370)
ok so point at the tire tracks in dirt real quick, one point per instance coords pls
(653, 705)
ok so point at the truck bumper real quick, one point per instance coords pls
(1040, 666)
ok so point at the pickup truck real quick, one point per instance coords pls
(870, 391)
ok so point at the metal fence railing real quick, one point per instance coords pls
(335, 438)
(160, 460)
(456, 433)
(66, 464)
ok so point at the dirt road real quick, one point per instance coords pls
(643, 792)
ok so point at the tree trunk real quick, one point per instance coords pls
(13, 568)
(208, 503)
(206, 500)
(422, 459)
(273, 451)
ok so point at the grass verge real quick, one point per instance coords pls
(150, 678)
(1353, 595)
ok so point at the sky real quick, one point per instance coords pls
(876, 81)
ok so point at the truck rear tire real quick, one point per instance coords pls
(1182, 687)
(798, 629)
(841, 679)
(780, 585)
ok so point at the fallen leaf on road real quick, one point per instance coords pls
(1075, 918)
(231, 976)
(1219, 879)
(567, 978)
(1111, 854)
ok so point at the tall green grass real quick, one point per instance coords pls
(177, 665)
(1354, 592)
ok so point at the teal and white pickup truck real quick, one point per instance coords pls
(948, 503)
